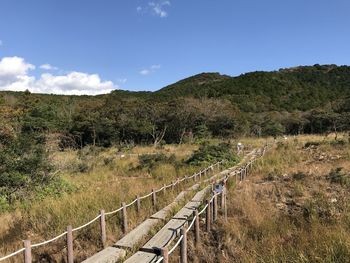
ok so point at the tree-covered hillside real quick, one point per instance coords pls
(300, 88)
(308, 99)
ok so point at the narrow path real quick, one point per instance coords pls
(150, 251)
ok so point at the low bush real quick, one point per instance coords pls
(312, 143)
(340, 142)
(339, 177)
(319, 209)
(299, 176)
(149, 161)
(209, 154)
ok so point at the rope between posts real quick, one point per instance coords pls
(119, 209)
(88, 223)
(175, 246)
(12, 254)
(202, 211)
(133, 202)
(145, 196)
(190, 226)
(156, 191)
(113, 212)
(49, 241)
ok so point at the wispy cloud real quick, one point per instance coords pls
(150, 70)
(145, 72)
(48, 67)
(122, 81)
(1, 43)
(156, 7)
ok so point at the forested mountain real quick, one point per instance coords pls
(306, 99)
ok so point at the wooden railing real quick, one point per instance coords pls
(28, 246)
(210, 209)
(211, 213)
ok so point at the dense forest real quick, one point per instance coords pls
(313, 99)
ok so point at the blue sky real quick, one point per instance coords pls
(148, 44)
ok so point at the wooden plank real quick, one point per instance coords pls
(187, 210)
(167, 234)
(164, 213)
(136, 235)
(200, 195)
(142, 257)
(107, 255)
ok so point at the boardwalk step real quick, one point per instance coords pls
(108, 255)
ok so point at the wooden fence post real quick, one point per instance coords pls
(183, 246)
(125, 218)
(172, 185)
(70, 257)
(200, 175)
(225, 203)
(138, 204)
(223, 195)
(196, 229)
(27, 251)
(208, 216)
(215, 207)
(154, 198)
(103, 228)
(165, 254)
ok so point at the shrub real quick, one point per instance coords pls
(312, 143)
(299, 176)
(208, 154)
(318, 209)
(151, 160)
(83, 167)
(338, 142)
(338, 177)
(108, 160)
(270, 177)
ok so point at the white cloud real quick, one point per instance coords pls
(123, 81)
(150, 70)
(155, 67)
(13, 69)
(145, 72)
(156, 7)
(48, 67)
(14, 76)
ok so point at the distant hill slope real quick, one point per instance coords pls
(306, 99)
(300, 88)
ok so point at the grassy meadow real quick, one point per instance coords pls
(294, 207)
(95, 178)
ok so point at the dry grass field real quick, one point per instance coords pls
(293, 208)
(99, 179)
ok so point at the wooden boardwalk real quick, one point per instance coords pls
(169, 232)
(151, 250)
